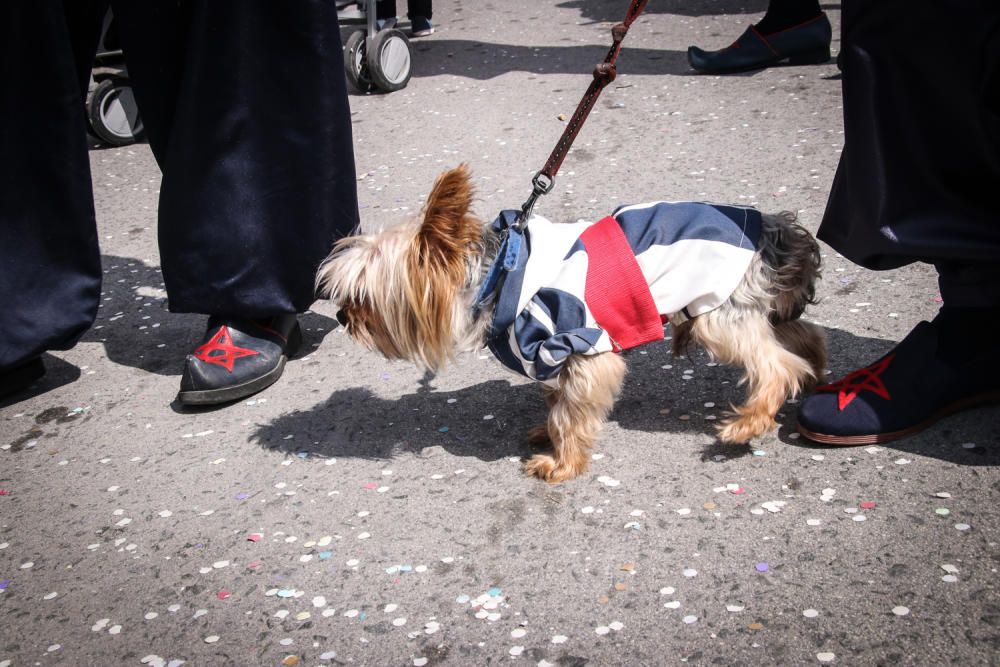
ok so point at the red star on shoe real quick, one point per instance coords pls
(222, 342)
(869, 378)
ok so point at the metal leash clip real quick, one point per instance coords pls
(541, 184)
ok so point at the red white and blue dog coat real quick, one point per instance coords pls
(611, 285)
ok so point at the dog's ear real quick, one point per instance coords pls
(447, 224)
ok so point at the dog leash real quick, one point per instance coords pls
(604, 73)
(510, 224)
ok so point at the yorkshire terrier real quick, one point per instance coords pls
(557, 302)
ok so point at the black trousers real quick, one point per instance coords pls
(918, 176)
(245, 107)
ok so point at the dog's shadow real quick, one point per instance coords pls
(662, 393)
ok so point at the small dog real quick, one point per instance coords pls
(727, 278)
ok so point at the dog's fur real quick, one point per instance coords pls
(407, 293)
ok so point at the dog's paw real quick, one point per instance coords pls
(544, 466)
(539, 436)
(744, 428)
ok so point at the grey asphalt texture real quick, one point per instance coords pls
(363, 512)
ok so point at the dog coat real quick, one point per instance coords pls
(611, 285)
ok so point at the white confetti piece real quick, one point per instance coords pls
(516, 650)
(602, 630)
(616, 625)
(608, 481)
(51, 596)
(950, 569)
(399, 622)
(826, 657)
(690, 572)
(901, 462)
(364, 536)
(211, 639)
(900, 610)
(517, 633)
(667, 590)
(330, 655)
(163, 514)
(813, 522)
(942, 494)
(690, 619)
(810, 613)
(734, 608)
(319, 601)
(673, 604)
(219, 564)
(559, 639)
(115, 630)
(150, 615)
(962, 526)
(419, 662)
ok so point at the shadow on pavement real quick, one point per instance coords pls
(489, 421)
(57, 374)
(614, 10)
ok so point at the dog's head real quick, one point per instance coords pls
(400, 292)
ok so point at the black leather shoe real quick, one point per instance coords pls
(21, 377)
(804, 44)
(238, 358)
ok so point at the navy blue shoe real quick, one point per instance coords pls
(906, 391)
(238, 358)
(804, 44)
(420, 26)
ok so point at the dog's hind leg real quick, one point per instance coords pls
(808, 341)
(578, 408)
(773, 373)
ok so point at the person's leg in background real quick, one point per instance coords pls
(922, 134)
(796, 31)
(50, 264)
(420, 14)
(418, 11)
(245, 106)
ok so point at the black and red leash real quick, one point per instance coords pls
(604, 73)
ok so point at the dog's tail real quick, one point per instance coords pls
(793, 255)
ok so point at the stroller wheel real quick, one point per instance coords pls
(389, 62)
(113, 114)
(355, 62)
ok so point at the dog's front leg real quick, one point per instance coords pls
(578, 408)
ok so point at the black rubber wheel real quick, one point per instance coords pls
(113, 114)
(355, 62)
(389, 61)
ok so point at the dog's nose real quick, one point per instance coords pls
(342, 317)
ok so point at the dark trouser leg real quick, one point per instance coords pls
(245, 105)
(419, 8)
(782, 14)
(50, 265)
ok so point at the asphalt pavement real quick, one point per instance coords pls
(364, 512)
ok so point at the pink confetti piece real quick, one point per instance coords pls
(222, 595)
(254, 537)
(253, 565)
(371, 485)
(867, 505)
(738, 491)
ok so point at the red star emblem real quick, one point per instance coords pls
(222, 343)
(869, 379)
